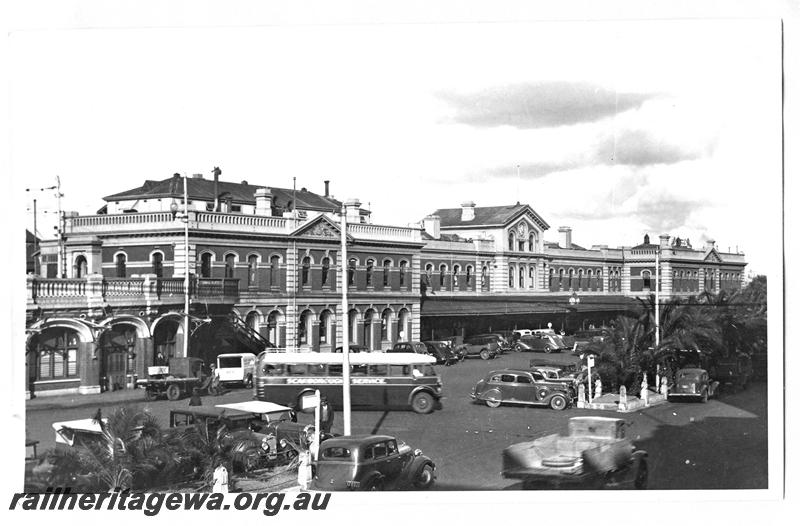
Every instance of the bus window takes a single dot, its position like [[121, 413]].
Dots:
[[427, 370], [317, 369], [359, 370], [378, 370], [400, 370], [273, 370], [335, 370], [296, 369]]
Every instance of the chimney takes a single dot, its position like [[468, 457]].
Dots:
[[352, 210], [263, 202], [664, 240], [468, 211], [327, 189], [709, 244], [565, 237], [432, 224], [217, 173]]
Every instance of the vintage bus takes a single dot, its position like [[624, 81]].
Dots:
[[377, 380]]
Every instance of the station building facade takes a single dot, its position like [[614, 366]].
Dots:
[[266, 270]]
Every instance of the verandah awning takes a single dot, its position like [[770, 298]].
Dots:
[[449, 306]]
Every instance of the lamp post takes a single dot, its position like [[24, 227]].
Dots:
[[657, 309], [184, 216], [345, 327]]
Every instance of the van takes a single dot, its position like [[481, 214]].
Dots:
[[236, 368]]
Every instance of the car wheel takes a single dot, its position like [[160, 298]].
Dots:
[[640, 482], [150, 395], [173, 392], [422, 403], [485, 354], [493, 403], [424, 478], [547, 349], [558, 403]]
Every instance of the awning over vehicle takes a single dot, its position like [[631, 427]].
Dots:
[[473, 306]]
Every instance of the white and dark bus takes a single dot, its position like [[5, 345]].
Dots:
[[377, 380]]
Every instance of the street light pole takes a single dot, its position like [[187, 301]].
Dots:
[[657, 310], [186, 330], [345, 328]]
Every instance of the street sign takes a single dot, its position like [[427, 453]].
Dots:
[[309, 401], [590, 360]]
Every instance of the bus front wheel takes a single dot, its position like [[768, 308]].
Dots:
[[422, 403]]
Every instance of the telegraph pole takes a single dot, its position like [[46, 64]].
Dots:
[[345, 327]]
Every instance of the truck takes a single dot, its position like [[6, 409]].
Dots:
[[732, 373], [176, 380], [595, 455]]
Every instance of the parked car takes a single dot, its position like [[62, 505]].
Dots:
[[522, 387], [503, 345], [595, 455], [371, 462], [733, 372], [541, 342], [442, 352], [236, 368], [410, 347], [485, 347], [354, 348], [273, 440], [692, 383]]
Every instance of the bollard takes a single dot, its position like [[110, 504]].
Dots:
[[598, 388], [581, 395]]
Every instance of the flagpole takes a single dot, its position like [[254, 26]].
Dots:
[[345, 327]]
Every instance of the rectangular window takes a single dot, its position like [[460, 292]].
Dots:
[[378, 370], [359, 370], [335, 370], [317, 369], [400, 370], [296, 369]]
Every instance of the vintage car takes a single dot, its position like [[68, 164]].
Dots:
[[273, 437], [409, 347], [541, 342], [694, 384], [354, 348], [485, 347], [442, 352], [595, 455], [503, 344], [522, 387], [371, 462], [81, 432], [176, 380], [236, 368], [733, 373]]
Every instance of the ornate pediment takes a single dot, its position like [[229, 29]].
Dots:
[[713, 256], [319, 228]]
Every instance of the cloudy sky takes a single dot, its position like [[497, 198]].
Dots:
[[618, 128]]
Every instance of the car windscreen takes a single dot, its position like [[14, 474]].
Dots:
[[230, 361], [426, 370], [688, 375]]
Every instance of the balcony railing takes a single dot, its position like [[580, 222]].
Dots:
[[95, 289]]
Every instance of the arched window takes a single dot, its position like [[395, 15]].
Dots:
[[429, 275], [80, 267], [325, 327], [531, 277], [369, 333], [230, 263], [305, 271], [646, 279], [442, 273], [531, 242], [521, 277], [551, 277], [274, 320], [511, 241], [581, 283], [570, 281], [304, 325], [511, 276], [326, 266], [403, 326], [386, 324], [158, 264], [370, 267], [599, 276], [403, 265], [274, 266], [57, 354], [205, 265], [252, 270], [351, 272], [561, 278], [468, 277], [121, 266], [352, 321], [456, 270], [483, 276], [387, 264]]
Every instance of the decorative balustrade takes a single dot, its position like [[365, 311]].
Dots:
[[95, 288], [241, 220], [53, 288], [366, 231]]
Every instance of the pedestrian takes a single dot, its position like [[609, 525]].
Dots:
[[220, 480], [326, 416], [195, 399]]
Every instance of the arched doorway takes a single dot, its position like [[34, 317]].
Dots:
[[403, 326], [81, 267], [117, 355], [166, 341], [274, 323], [370, 339]]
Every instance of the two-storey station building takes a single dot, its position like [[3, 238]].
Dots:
[[266, 269]]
